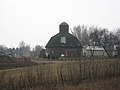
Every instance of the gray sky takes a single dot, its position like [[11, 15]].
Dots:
[[35, 21]]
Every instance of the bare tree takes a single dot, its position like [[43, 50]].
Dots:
[[81, 32], [3, 47], [22, 44], [24, 50], [95, 36], [37, 50]]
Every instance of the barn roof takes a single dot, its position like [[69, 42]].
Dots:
[[63, 23], [71, 41]]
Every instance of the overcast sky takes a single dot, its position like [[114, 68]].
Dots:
[[35, 21]]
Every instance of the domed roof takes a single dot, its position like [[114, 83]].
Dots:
[[71, 41], [63, 39], [63, 23]]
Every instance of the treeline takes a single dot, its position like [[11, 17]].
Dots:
[[23, 50], [96, 36]]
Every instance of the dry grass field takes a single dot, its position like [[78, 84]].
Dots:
[[12, 62], [87, 74]]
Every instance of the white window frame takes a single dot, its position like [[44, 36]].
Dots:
[[63, 40]]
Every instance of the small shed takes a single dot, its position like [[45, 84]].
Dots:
[[97, 51]]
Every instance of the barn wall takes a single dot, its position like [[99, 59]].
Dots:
[[68, 52]]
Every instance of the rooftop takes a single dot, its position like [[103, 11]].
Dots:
[[63, 23]]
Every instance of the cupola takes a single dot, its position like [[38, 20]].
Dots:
[[64, 27]]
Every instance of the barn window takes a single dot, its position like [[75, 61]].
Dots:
[[63, 40]]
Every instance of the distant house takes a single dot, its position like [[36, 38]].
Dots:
[[63, 44], [97, 51], [2, 53]]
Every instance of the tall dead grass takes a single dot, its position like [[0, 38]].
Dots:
[[80, 74]]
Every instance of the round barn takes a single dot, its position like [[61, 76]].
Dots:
[[63, 44]]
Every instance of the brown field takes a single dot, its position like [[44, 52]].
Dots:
[[87, 74], [12, 62]]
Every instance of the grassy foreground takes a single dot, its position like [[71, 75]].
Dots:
[[88, 74]]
